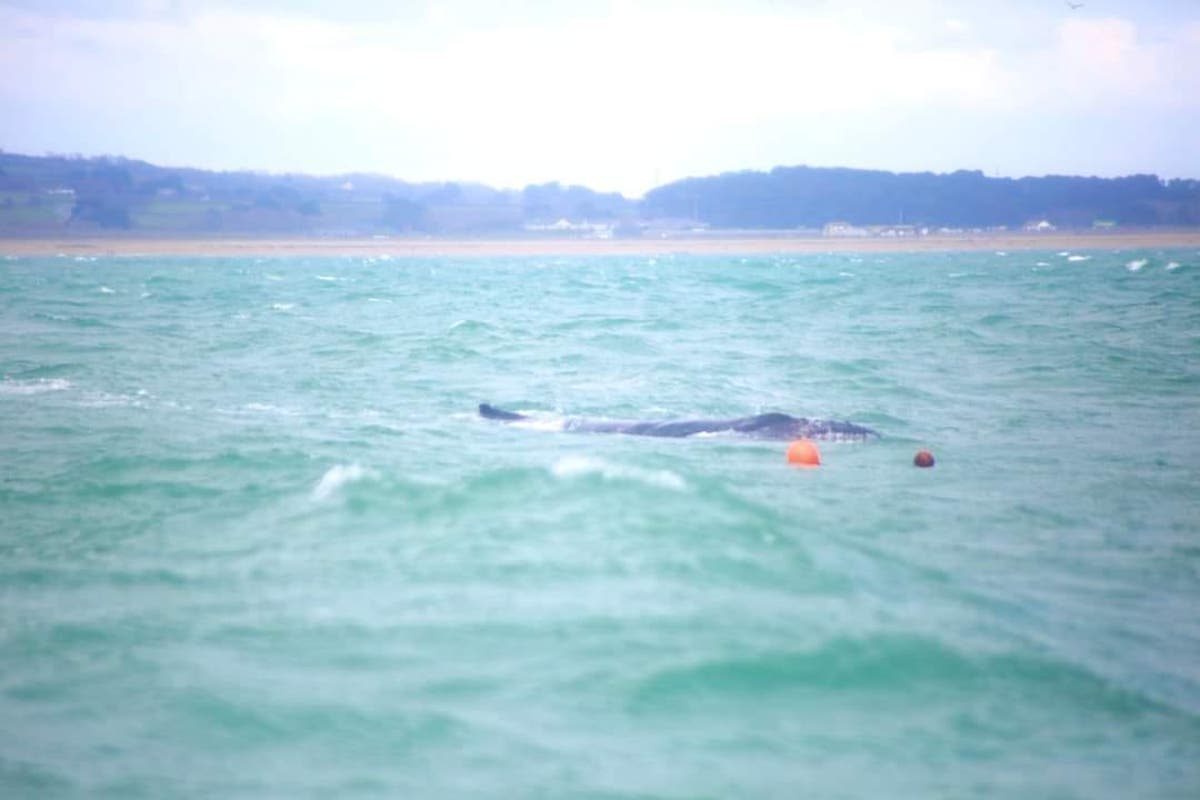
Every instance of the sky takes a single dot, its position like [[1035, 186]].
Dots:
[[618, 96]]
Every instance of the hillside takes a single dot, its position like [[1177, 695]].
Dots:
[[58, 195], [55, 195], [791, 197]]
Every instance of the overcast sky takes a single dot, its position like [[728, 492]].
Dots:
[[613, 95]]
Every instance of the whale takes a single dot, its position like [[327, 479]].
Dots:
[[774, 426]]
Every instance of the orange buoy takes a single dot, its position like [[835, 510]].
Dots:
[[803, 453], [923, 458]]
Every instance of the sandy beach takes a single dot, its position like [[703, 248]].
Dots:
[[715, 244]]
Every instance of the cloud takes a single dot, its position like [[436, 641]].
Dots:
[[644, 58], [1104, 64], [613, 95], [1100, 57]]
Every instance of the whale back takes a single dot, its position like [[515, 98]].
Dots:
[[773, 425]]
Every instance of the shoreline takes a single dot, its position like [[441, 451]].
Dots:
[[729, 244]]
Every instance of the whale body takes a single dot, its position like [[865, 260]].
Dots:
[[759, 426]]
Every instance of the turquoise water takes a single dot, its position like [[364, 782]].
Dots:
[[256, 542]]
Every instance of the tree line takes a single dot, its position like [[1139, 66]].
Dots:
[[55, 194], [792, 197]]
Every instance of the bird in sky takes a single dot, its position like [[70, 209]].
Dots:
[[1074, 6]]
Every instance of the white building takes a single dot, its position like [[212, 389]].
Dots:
[[843, 229]]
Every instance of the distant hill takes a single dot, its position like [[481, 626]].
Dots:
[[61, 195], [791, 197], [42, 195]]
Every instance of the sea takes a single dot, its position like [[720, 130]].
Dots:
[[256, 541]]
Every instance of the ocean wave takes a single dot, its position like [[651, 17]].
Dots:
[[1135, 265], [338, 476], [895, 664], [35, 386], [109, 400], [471, 326], [270, 409], [581, 466]]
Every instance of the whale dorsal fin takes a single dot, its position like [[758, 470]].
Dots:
[[491, 412]]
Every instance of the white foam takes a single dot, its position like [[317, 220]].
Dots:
[[267, 408], [536, 420], [1174, 265], [579, 466], [106, 290], [1043, 263], [550, 424], [1079, 258], [327, 277], [1134, 266], [106, 400], [283, 306], [338, 476], [36, 386]]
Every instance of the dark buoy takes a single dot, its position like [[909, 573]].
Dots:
[[923, 458]]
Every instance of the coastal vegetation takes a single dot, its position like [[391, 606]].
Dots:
[[790, 197], [62, 195]]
